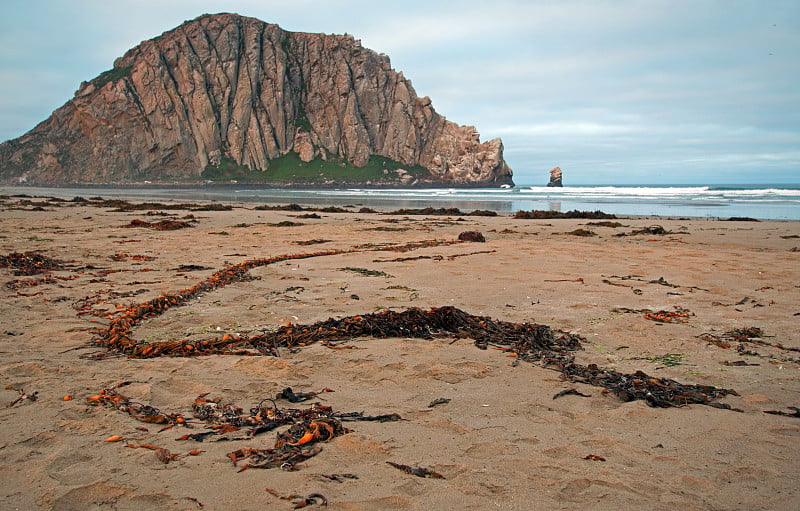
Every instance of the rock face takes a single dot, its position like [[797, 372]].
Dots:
[[555, 177], [229, 89]]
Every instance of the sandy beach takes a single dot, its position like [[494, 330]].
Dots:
[[498, 438]]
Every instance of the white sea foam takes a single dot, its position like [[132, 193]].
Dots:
[[768, 202]]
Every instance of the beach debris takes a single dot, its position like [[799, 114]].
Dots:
[[653, 230], [663, 282], [339, 478], [307, 427], [298, 397], [192, 267], [441, 212], [529, 342], [584, 233], [570, 392], [439, 401], [30, 263], [124, 256], [285, 457], [473, 236], [579, 280], [161, 225], [384, 228], [737, 363], [287, 207], [437, 257], [745, 336], [315, 241], [23, 396], [666, 360], [285, 295], [299, 501], [416, 471], [594, 457], [638, 278], [144, 413], [610, 283], [163, 454], [547, 214], [366, 272], [679, 315], [743, 301], [740, 219], [613, 225], [656, 392], [17, 284], [123, 206], [196, 501], [795, 413]]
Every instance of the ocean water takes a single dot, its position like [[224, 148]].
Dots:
[[775, 202]]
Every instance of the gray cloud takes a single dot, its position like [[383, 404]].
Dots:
[[612, 91]]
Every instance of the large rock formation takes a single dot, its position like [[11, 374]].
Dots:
[[226, 90]]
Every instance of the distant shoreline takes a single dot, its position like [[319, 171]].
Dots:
[[460, 207]]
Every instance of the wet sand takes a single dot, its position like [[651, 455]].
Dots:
[[501, 441]]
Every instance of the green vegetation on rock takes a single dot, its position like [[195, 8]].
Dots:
[[112, 75], [289, 168]]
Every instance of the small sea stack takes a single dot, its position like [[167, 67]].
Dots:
[[555, 177]]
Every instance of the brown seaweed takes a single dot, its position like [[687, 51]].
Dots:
[[795, 413], [473, 236], [529, 342], [30, 263], [161, 225], [300, 501], [416, 471], [568, 392], [546, 215], [741, 338]]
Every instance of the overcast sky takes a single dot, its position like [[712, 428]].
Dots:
[[613, 92]]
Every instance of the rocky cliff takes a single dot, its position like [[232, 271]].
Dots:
[[226, 96]]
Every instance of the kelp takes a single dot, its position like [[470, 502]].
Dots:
[[528, 342]]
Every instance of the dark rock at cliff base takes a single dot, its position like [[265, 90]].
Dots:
[[226, 97], [555, 177]]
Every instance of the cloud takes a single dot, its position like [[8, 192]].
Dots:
[[614, 90]]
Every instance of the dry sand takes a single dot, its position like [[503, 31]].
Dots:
[[502, 442]]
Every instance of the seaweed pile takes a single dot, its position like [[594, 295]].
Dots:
[[307, 426], [657, 392], [741, 340], [539, 214], [30, 263], [524, 341], [161, 225], [441, 212]]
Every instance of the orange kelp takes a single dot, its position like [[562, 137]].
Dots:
[[117, 336], [524, 341], [307, 426]]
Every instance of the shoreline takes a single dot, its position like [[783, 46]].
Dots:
[[381, 205], [505, 437]]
